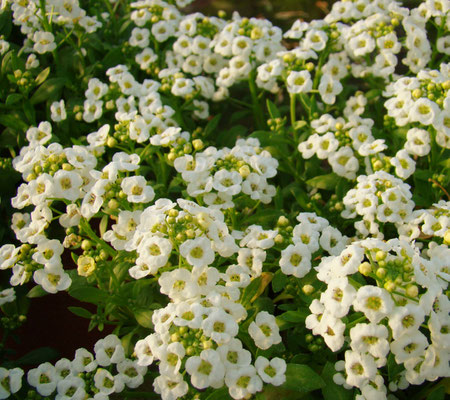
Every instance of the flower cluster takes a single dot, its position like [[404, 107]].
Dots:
[[378, 198], [401, 314], [87, 376], [219, 175], [205, 181]]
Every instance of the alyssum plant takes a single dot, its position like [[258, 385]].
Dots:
[[254, 214]]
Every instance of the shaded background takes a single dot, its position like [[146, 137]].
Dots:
[[281, 12]]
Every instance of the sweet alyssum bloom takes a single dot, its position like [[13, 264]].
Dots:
[[220, 326], [206, 369], [43, 378], [299, 82], [198, 252], [243, 381], [264, 330], [10, 381], [296, 260], [137, 190], [273, 371], [170, 387], [109, 350], [376, 303]]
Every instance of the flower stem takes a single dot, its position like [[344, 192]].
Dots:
[[258, 113]]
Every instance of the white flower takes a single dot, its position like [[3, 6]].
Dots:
[[264, 330], [273, 371], [43, 42], [131, 373], [329, 87], [40, 135], [84, 361], [404, 165], [243, 381], [237, 276], [206, 369], [49, 252], [190, 315], [109, 350], [71, 387], [58, 111], [145, 58], [233, 355], [296, 260], [170, 387], [370, 338], [220, 326], [67, 184], [170, 358], [7, 296], [228, 182], [418, 142], [162, 30], [360, 368], [178, 284], [139, 37], [361, 44], [137, 190], [338, 297], [424, 111], [299, 82], [143, 352], [106, 383], [32, 61], [376, 303], [93, 110], [52, 279], [11, 381], [43, 378], [408, 346], [198, 252]]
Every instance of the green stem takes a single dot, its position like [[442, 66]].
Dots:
[[356, 321], [305, 105], [258, 113], [92, 235], [292, 109]]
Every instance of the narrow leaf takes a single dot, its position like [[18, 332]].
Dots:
[[80, 311]]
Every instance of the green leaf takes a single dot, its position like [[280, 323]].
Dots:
[[42, 76], [103, 224], [13, 122], [89, 294], [372, 94], [331, 391], [438, 393], [273, 110], [13, 98], [263, 217], [299, 125], [327, 182], [144, 318], [37, 291], [5, 23], [81, 312], [423, 174], [48, 89], [30, 113], [279, 281], [301, 378], [219, 394], [250, 291], [38, 356], [294, 316], [211, 126]]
